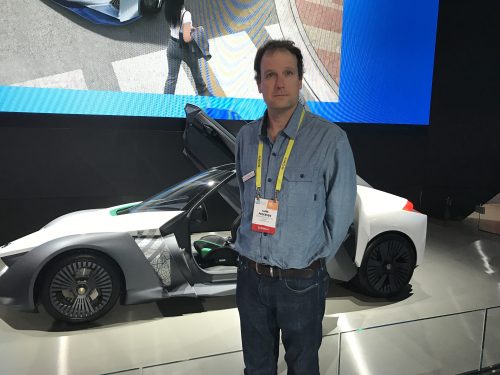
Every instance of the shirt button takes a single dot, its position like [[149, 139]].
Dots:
[[302, 175], [274, 153], [269, 179], [265, 234], [265, 258]]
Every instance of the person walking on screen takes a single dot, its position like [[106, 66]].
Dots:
[[297, 183], [180, 21]]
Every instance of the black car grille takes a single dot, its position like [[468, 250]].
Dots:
[[116, 3]]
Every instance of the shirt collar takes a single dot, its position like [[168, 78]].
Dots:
[[290, 129]]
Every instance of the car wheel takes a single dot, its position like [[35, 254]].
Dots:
[[151, 6], [80, 287], [387, 266]]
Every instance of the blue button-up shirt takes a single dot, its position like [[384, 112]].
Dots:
[[316, 201]]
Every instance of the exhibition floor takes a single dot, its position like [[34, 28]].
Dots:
[[439, 327]]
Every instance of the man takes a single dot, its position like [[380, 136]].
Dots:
[[298, 186]]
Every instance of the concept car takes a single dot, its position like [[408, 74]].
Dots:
[[111, 12], [80, 264]]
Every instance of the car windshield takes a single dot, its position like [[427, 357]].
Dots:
[[178, 197]]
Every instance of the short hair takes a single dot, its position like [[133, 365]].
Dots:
[[273, 45]]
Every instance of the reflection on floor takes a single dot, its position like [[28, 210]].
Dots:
[[460, 274]]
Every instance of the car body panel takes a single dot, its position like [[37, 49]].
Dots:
[[141, 282], [379, 212], [102, 12], [90, 221]]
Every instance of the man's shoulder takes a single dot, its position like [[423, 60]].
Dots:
[[249, 129], [326, 127]]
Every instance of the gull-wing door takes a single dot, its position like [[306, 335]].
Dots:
[[208, 144]]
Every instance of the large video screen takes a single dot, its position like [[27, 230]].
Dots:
[[365, 61]]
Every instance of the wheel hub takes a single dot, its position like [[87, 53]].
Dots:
[[80, 290]]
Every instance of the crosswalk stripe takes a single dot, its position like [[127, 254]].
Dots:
[[148, 73], [73, 80], [232, 63]]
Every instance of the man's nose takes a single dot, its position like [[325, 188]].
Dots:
[[280, 80]]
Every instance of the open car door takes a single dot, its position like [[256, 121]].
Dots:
[[208, 144]]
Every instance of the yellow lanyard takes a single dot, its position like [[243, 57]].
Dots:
[[258, 168]]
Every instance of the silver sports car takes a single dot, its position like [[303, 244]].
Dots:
[[111, 12], [80, 264]]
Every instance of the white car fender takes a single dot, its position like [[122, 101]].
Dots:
[[378, 212]]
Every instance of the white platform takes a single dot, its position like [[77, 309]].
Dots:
[[437, 329]]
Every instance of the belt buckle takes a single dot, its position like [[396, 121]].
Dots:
[[271, 271]]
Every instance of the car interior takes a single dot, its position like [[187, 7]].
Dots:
[[214, 251]]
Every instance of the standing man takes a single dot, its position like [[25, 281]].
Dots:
[[298, 186]]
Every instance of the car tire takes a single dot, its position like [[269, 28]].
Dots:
[[151, 6], [80, 287], [387, 266]]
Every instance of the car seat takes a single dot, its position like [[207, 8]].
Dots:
[[215, 250]]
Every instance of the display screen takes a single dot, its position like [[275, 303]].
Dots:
[[365, 61]]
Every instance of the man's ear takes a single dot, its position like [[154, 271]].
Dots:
[[300, 84], [258, 86]]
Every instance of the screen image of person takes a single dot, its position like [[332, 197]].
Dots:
[[180, 21]]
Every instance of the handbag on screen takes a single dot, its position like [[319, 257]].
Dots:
[[199, 45]]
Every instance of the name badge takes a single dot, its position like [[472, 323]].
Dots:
[[265, 213], [248, 176]]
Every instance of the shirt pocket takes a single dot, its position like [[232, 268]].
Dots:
[[300, 204], [299, 187]]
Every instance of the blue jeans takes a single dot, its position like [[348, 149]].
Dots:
[[294, 306], [176, 53]]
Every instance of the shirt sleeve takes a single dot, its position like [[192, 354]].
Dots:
[[187, 18], [341, 193]]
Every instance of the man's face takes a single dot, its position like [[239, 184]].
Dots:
[[279, 80]]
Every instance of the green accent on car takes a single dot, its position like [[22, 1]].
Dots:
[[115, 210], [205, 251]]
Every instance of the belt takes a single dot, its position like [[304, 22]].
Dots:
[[270, 271], [174, 39]]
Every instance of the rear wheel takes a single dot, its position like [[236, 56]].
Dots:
[[151, 6], [80, 287], [387, 266]]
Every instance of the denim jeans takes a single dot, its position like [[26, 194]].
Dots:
[[175, 55], [294, 306]]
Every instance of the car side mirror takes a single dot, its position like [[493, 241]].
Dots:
[[199, 214]]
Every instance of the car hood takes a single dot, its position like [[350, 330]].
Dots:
[[91, 221]]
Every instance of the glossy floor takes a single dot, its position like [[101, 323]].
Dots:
[[435, 328]]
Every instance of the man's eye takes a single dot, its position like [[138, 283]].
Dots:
[[269, 75], [289, 73]]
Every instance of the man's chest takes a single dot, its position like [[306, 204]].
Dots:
[[297, 174]]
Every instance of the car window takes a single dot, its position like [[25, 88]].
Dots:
[[178, 197]]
